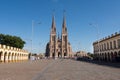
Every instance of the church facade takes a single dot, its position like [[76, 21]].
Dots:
[[58, 46]]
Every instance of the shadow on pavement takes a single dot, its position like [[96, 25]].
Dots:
[[103, 63]]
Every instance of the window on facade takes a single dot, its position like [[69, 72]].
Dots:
[[114, 44], [107, 45], [101, 47], [64, 38], [53, 38], [118, 41], [94, 48], [104, 46], [110, 45], [54, 29], [97, 48]]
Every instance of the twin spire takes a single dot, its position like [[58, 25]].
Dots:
[[53, 30], [64, 29]]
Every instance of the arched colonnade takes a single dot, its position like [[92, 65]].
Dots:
[[9, 54]]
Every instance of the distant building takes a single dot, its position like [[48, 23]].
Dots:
[[108, 49], [81, 54], [58, 47]]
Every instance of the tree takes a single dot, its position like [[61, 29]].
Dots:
[[13, 41], [90, 54]]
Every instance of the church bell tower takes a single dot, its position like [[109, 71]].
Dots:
[[53, 38], [64, 38]]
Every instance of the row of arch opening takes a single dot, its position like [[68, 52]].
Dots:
[[110, 56], [8, 56]]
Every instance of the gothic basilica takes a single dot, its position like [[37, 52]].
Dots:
[[58, 47]]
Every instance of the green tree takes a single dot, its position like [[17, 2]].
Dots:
[[13, 41], [90, 54]]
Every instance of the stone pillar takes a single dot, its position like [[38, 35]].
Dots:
[[6, 57], [56, 55], [14, 57], [20, 56], [2, 57], [10, 57]]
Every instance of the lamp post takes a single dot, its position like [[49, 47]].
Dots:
[[98, 34], [32, 36], [32, 33]]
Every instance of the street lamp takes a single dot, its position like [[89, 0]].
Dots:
[[98, 34], [32, 36], [32, 31]]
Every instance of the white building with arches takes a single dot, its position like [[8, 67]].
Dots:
[[108, 48], [9, 54]]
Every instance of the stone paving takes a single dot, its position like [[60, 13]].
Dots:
[[22, 70], [76, 70], [61, 69]]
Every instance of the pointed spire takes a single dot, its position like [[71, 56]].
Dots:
[[64, 29], [53, 29], [64, 20], [53, 22]]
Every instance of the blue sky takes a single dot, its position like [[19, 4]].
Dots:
[[16, 19]]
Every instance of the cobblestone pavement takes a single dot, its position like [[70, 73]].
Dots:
[[22, 70], [76, 70], [61, 69]]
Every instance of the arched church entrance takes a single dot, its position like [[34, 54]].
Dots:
[[53, 55], [65, 54], [59, 54]]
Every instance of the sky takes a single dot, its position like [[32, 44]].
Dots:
[[16, 18]]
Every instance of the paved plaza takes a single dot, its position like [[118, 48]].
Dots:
[[60, 69]]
